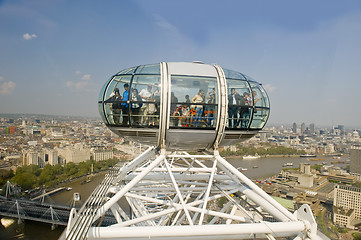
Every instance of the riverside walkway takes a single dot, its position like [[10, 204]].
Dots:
[[84, 217]]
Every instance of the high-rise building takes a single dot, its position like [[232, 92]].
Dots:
[[355, 157], [312, 128], [303, 128], [341, 128], [305, 168], [294, 128]]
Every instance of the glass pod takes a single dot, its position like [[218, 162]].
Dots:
[[183, 105]]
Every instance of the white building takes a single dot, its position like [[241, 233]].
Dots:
[[99, 155], [51, 156], [343, 217], [77, 153], [30, 157], [347, 197]]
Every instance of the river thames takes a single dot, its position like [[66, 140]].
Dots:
[[260, 168]]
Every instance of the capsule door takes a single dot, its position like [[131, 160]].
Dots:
[[193, 106]]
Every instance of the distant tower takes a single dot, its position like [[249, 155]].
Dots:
[[303, 128], [312, 128], [355, 156], [341, 128], [305, 168], [294, 128]]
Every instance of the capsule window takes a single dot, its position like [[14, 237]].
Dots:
[[194, 102]]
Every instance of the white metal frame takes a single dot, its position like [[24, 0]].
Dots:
[[176, 196]]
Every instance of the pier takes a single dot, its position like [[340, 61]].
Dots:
[[48, 193]]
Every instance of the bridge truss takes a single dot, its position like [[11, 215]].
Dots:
[[177, 195], [34, 211]]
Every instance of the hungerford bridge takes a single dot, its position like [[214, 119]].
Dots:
[[180, 187], [40, 209]]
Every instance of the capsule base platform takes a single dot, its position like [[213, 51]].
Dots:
[[178, 195]]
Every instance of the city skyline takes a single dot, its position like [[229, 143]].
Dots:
[[56, 56]]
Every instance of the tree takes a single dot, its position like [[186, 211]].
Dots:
[[84, 168], [47, 174], [25, 180]]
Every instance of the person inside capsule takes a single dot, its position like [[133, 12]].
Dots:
[[116, 106], [197, 108]]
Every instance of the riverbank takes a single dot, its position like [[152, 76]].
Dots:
[[290, 155], [83, 186], [263, 156]]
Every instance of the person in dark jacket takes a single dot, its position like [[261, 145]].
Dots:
[[136, 105], [116, 105], [244, 110], [233, 106]]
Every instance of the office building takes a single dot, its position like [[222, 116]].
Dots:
[[341, 128], [303, 128], [312, 128], [348, 197], [294, 128], [100, 155], [51, 157], [355, 157], [30, 157], [343, 217], [77, 153]]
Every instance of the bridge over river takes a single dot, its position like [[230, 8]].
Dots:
[[35, 211], [38, 210]]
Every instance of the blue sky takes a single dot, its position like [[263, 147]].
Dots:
[[56, 55]]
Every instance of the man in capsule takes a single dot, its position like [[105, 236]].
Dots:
[[125, 105], [233, 106]]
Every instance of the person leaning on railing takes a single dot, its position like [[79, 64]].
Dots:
[[116, 106]]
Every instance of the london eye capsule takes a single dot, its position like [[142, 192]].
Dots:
[[183, 105]]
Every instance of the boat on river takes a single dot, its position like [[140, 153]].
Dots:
[[76, 196], [289, 164], [251, 157], [241, 169], [308, 155]]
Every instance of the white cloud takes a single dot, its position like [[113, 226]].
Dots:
[[76, 86], [6, 87], [86, 77], [83, 84], [174, 38], [269, 88], [28, 36], [163, 23], [1, 78]]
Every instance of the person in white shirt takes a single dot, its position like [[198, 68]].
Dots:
[[198, 108], [148, 108]]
